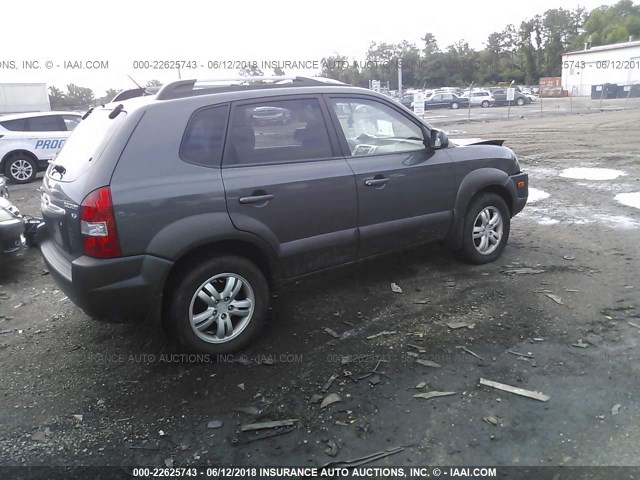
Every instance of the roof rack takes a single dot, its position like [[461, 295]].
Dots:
[[189, 88]]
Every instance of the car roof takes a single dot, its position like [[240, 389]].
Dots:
[[18, 116]]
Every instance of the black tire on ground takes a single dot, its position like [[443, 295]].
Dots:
[[188, 284], [520, 101], [455, 105], [20, 168], [469, 251], [485, 103]]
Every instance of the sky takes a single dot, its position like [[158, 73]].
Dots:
[[123, 35]]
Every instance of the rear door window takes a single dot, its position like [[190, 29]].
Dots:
[[278, 131], [71, 121], [48, 123], [204, 137]]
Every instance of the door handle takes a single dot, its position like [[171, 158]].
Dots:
[[375, 182], [256, 199]]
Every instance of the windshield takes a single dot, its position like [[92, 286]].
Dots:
[[84, 145]]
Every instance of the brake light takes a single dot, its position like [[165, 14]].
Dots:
[[98, 225]]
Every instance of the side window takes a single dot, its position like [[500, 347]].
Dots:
[[277, 131], [49, 123], [204, 137], [18, 125], [448, 96], [71, 121], [372, 128], [437, 98]]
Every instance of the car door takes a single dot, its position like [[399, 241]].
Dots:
[[500, 96], [405, 190], [287, 182], [433, 102]]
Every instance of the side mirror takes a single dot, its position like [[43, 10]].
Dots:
[[439, 139]]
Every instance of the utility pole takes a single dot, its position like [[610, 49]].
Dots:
[[399, 78], [469, 112]]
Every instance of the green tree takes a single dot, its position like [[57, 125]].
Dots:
[[56, 98], [78, 98], [154, 83]]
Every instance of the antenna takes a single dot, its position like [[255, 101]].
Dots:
[[137, 84]]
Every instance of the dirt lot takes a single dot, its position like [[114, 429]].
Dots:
[[565, 296]]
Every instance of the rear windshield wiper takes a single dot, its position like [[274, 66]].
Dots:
[[116, 111], [60, 169]]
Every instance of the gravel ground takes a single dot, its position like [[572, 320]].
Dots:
[[559, 313]]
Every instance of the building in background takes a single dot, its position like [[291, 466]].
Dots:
[[24, 97], [586, 70]]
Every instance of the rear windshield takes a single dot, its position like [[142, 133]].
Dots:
[[84, 146]]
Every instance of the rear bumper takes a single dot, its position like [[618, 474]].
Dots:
[[127, 288], [522, 192], [11, 235]]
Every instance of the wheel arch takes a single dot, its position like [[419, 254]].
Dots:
[[476, 183], [22, 151]]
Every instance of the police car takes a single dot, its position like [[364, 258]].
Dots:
[[29, 140]]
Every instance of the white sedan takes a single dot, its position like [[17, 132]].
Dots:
[[29, 140]]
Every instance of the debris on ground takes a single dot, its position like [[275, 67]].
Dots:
[[332, 448], [420, 386], [428, 363], [456, 325], [331, 332], [491, 420], [418, 348], [168, 462], [433, 394], [38, 436], [518, 354], [265, 435], [615, 409], [375, 380], [214, 424], [580, 344], [633, 324], [330, 399], [518, 391], [241, 386], [78, 417], [264, 425], [472, 353], [395, 288], [356, 462], [522, 271], [315, 398], [247, 410], [568, 257], [385, 332], [329, 382], [555, 298]]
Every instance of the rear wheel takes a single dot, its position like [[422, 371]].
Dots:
[[485, 103], [486, 229], [455, 105], [20, 168], [520, 101], [218, 306]]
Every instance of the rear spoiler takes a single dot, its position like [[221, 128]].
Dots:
[[135, 92]]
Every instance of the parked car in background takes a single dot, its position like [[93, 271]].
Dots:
[[445, 100], [480, 98], [29, 140], [178, 208], [500, 96], [11, 224], [407, 100]]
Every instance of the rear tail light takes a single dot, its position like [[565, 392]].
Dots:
[[98, 225]]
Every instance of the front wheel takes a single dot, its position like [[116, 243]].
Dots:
[[455, 105], [21, 169], [486, 229], [520, 101], [218, 306]]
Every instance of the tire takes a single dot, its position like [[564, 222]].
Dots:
[[191, 295], [520, 101], [472, 248], [20, 169], [485, 103], [455, 105]]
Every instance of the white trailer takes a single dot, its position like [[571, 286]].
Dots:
[[24, 97]]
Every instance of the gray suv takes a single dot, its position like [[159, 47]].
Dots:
[[187, 206]]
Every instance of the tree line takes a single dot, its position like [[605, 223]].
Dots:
[[524, 53]]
